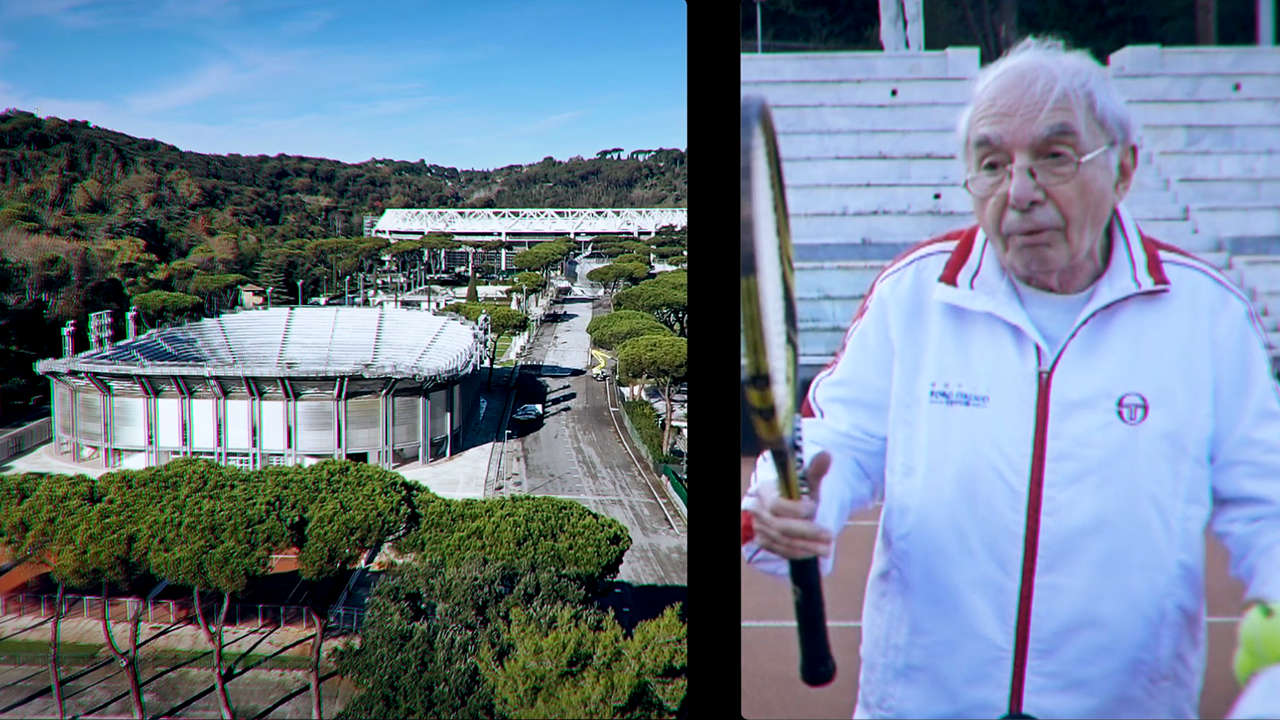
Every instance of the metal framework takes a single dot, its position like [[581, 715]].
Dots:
[[295, 342], [272, 387], [501, 222]]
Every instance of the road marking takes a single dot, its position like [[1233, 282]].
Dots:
[[595, 497]]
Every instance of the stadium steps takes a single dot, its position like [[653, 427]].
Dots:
[[869, 159], [1211, 125]]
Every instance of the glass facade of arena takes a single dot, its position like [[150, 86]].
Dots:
[[144, 420]]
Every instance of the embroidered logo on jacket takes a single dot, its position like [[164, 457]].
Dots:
[[952, 397], [1132, 408]]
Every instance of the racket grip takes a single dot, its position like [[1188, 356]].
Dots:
[[817, 666]]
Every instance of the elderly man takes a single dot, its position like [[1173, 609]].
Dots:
[[1051, 406]]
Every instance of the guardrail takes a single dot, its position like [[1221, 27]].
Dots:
[[16, 442], [677, 494], [89, 607]]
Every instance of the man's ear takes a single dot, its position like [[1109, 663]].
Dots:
[[1128, 166]]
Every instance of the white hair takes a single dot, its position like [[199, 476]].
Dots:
[[1061, 72]]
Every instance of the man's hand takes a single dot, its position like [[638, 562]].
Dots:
[[786, 527]]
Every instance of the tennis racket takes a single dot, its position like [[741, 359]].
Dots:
[[769, 329]]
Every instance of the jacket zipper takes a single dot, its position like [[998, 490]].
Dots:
[[1031, 539]]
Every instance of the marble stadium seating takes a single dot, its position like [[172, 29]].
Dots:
[[870, 163]]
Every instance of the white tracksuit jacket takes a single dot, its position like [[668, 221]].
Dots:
[[1043, 517]]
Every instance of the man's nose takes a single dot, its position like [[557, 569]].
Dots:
[[1024, 191]]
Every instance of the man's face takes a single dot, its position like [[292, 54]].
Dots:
[[1048, 237]]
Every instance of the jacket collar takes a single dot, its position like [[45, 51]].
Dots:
[[974, 278]]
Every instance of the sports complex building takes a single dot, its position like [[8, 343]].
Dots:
[[284, 386], [522, 228]]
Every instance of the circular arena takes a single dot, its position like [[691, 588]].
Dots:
[[285, 386]]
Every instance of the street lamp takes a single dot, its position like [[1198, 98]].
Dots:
[[299, 292]]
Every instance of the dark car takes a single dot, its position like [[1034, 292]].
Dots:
[[527, 413]]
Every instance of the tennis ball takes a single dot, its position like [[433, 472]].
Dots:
[[1244, 664], [1258, 641]]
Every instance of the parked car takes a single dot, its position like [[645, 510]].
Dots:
[[526, 413]]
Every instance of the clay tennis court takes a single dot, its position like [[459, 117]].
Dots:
[[771, 686]]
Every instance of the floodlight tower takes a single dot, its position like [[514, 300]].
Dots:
[[100, 330]]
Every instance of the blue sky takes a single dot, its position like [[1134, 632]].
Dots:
[[471, 85]]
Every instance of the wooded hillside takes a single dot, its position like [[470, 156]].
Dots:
[[91, 218]]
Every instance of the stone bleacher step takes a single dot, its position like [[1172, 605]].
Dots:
[[1220, 259], [1155, 205], [1273, 341], [1259, 278], [1213, 191], [867, 144], [860, 92], [836, 280], [1218, 164], [1208, 86], [1208, 112], [953, 62], [1247, 249], [819, 252], [1260, 219], [1159, 135], [863, 199], [1148, 59], [1268, 308], [876, 228], [1181, 233], [873, 171], [920, 116], [828, 314]]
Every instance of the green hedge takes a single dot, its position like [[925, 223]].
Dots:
[[645, 420]]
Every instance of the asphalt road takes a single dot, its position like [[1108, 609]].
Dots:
[[575, 452]]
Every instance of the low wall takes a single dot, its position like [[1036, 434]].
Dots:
[[677, 495], [16, 442]]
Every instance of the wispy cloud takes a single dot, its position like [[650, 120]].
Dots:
[[246, 75], [272, 76], [77, 14], [547, 123], [198, 9], [308, 22], [42, 8], [208, 82]]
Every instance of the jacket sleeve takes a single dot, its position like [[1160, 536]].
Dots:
[[1245, 457], [845, 413]]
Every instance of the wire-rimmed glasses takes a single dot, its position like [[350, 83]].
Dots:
[[1057, 168]]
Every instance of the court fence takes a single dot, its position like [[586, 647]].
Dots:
[[172, 612]]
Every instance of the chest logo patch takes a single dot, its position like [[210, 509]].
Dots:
[[1131, 408], [956, 396]]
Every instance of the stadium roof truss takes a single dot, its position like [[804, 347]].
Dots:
[[295, 342], [535, 221]]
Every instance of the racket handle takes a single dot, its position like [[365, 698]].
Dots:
[[817, 666]]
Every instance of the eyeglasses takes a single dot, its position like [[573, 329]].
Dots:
[[1058, 168]]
